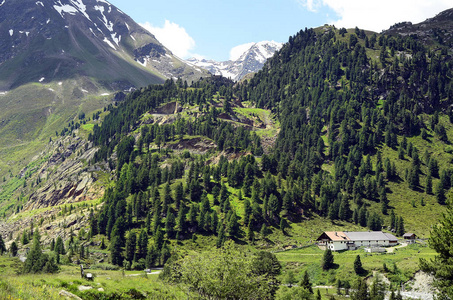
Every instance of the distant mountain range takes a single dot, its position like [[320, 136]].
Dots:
[[252, 60], [47, 40]]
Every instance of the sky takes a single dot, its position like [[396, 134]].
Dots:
[[223, 29]]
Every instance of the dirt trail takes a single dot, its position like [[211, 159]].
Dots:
[[391, 249]]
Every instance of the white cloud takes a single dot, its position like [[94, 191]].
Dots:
[[379, 15], [174, 37], [237, 51], [311, 5]]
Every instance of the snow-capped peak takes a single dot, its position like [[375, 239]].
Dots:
[[261, 51], [250, 61]]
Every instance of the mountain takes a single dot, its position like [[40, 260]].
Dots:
[[433, 31], [50, 40], [341, 130], [59, 58], [251, 61]]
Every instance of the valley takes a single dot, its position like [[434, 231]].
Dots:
[[220, 188]]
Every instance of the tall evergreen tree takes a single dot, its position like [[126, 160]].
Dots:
[[358, 268], [131, 246], [2, 245], [440, 193], [305, 282], [327, 260], [13, 249]]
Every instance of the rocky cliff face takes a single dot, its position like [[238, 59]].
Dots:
[[62, 179]]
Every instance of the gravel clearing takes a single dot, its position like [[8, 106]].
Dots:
[[421, 287]]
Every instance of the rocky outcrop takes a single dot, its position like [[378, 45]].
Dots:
[[67, 176], [64, 178]]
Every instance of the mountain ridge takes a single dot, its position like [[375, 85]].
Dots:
[[250, 61], [71, 37]]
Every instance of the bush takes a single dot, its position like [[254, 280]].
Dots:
[[139, 265]]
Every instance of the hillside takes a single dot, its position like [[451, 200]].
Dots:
[[341, 130], [62, 58]]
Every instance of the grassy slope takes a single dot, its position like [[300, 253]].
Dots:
[[309, 259], [47, 286], [24, 132]]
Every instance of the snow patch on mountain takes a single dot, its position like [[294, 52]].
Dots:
[[116, 39], [39, 3], [3, 2], [252, 60], [81, 7], [104, 20], [65, 9], [106, 40]]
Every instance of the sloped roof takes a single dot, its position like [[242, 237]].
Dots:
[[335, 235], [369, 236]]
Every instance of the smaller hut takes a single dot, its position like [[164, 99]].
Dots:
[[409, 237]]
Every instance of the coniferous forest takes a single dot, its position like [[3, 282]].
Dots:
[[336, 105], [356, 133]]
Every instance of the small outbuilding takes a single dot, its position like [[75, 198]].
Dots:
[[409, 237]]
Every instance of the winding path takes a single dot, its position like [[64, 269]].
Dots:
[[391, 249]]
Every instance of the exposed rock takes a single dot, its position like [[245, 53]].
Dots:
[[196, 145], [69, 295], [62, 179]]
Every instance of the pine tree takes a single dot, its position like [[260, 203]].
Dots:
[[158, 238], [2, 245], [36, 261], [393, 221], [220, 236], [179, 195], [440, 193], [232, 226], [142, 244], [59, 246], [24, 241], [361, 292], [327, 260], [345, 210], [116, 255], [400, 227], [131, 245], [52, 245], [305, 282], [358, 269], [289, 278], [170, 223], [13, 249]]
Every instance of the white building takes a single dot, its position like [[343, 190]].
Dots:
[[350, 240]]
